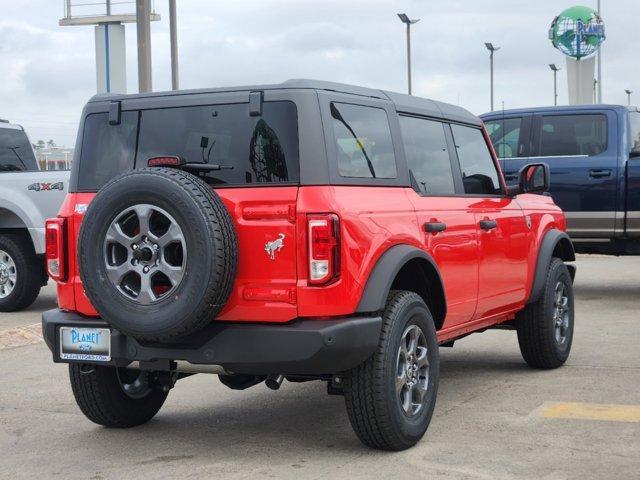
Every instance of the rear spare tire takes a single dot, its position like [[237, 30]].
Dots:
[[158, 253]]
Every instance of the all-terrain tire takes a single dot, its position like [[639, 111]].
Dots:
[[540, 343], [99, 394], [374, 408], [209, 266], [28, 270]]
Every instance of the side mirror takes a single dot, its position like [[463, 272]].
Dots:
[[534, 177]]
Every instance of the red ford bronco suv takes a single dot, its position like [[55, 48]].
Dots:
[[301, 231]]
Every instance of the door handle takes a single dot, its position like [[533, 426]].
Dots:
[[511, 176], [599, 173], [435, 227], [488, 224]]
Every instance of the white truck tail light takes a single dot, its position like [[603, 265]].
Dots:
[[55, 254], [324, 248]]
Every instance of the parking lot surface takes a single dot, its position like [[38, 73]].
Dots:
[[495, 417]]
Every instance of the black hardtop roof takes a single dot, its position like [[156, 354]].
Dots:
[[404, 103]]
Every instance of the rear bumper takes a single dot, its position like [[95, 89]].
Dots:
[[305, 346]]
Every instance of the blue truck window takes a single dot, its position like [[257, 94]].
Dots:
[[573, 135], [505, 135], [634, 118]]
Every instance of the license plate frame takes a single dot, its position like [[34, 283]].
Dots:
[[89, 344]]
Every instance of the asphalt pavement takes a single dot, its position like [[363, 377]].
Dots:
[[495, 417]]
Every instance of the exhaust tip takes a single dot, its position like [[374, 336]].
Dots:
[[274, 381]]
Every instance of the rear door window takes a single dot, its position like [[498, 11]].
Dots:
[[505, 134], [107, 150], [16, 152], [572, 135], [249, 149], [363, 141], [479, 173], [425, 148]]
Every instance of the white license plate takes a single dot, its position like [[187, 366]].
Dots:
[[89, 344]]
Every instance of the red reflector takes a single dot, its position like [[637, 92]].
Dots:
[[165, 162], [55, 243]]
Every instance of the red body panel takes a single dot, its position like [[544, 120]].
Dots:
[[487, 274]]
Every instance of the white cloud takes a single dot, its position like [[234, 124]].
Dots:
[[49, 71]]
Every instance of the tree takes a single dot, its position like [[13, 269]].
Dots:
[[51, 143], [40, 144]]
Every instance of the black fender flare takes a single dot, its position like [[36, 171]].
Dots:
[[384, 273], [550, 241]]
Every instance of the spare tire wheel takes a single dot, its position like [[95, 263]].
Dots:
[[157, 253]]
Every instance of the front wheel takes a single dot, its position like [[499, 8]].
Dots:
[[115, 397], [545, 327], [390, 398], [20, 274]]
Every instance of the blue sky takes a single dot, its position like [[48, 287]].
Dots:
[[49, 71]]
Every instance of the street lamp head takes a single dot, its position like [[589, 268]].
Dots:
[[628, 92], [490, 47], [405, 19], [554, 67]]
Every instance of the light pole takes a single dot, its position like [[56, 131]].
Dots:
[[143, 12], [491, 49], [599, 63], [406, 20], [628, 92], [173, 35], [555, 69]]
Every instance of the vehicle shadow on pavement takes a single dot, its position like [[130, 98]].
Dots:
[[207, 420], [299, 415]]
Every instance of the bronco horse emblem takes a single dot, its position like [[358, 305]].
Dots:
[[274, 246]]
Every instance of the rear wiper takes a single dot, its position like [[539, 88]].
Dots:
[[206, 167]]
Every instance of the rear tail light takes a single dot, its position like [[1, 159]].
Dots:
[[324, 248], [55, 238]]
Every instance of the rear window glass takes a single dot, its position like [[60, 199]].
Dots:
[[107, 150], [363, 141], [505, 136], [249, 149], [567, 135], [16, 153]]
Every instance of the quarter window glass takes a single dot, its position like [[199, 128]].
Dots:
[[634, 117], [505, 136], [479, 173], [107, 150], [363, 141], [566, 135], [16, 153], [425, 147]]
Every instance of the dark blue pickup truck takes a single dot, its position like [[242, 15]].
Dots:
[[593, 152]]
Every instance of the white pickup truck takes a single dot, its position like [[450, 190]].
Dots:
[[28, 197]]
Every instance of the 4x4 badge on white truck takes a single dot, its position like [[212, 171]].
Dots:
[[274, 246], [46, 187]]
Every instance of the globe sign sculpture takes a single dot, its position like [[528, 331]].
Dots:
[[577, 32]]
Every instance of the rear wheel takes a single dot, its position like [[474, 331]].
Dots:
[[20, 274], [545, 327], [115, 397], [390, 398]]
